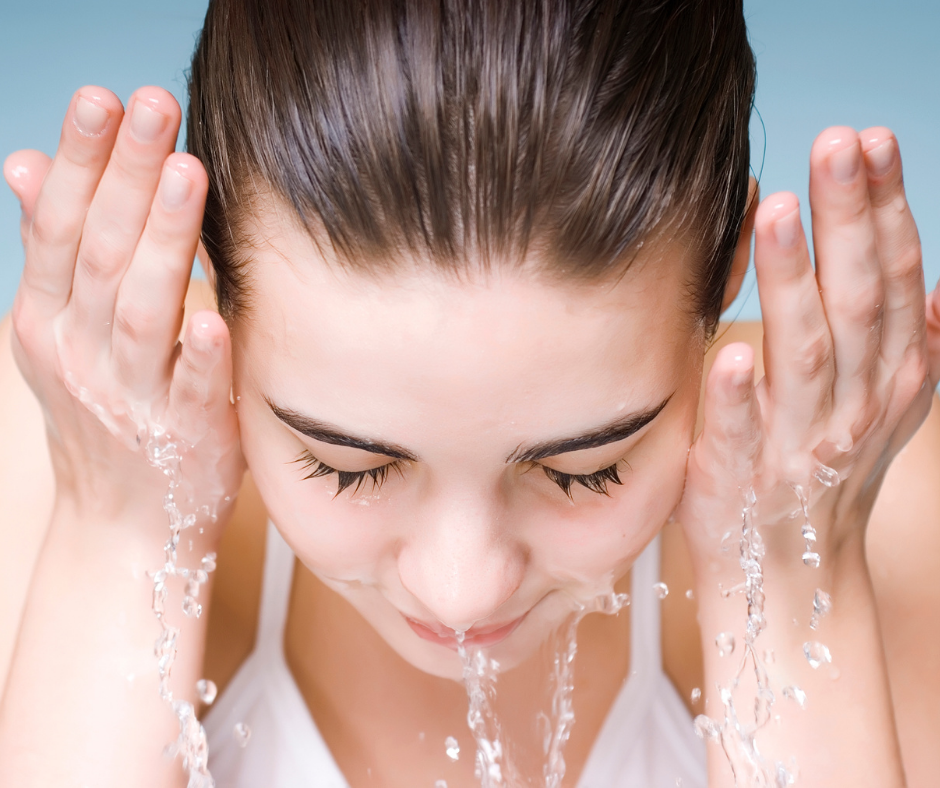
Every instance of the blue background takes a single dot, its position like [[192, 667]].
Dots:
[[820, 63]]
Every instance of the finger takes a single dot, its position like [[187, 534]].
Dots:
[[149, 307], [898, 245], [118, 212], [731, 436], [849, 275], [798, 359], [59, 210], [200, 392], [24, 171]]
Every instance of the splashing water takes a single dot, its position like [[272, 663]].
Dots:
[[737, 737], [725, 644], [493, 766], [206, 690], [661, 590], [241, 733], [452, 748], [822, 606], [794, 693], [696, 695], [166, 455], [816, 654]]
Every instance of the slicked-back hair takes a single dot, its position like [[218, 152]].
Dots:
[[477, 132]]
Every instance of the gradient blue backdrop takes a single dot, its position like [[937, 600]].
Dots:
[[820, 63]]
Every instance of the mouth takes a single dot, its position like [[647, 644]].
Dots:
[[479, 637]]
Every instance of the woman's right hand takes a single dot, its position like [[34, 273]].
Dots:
[[110, 228]]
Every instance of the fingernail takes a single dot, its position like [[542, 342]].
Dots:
[[881, 158], [146, 124], [89, 119], [174, 189], [843, 164], [787, 229]]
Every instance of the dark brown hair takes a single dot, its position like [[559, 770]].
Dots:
[[484, 130]]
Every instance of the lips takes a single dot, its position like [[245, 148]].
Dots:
[[480, 637]]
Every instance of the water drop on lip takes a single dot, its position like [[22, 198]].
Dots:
[[661, 590], [816, 654], [725, 643], [452, 748], [696, 695], [794, 693], [206, 690], [241, 733]]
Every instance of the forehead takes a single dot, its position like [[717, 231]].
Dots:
[[507, 346]]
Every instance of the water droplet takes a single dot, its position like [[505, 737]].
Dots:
[[208, 562], [696, 695], [440, 784], [678, 782], [206, 690], [191, 608], [661, 590], [452, 748], [420, 735], [826, 475], [706, 728], [816, 654], [796, 694], [811, 558], [241, 734], [725, 544], [725, 643], [689, 594], [822, 603], [809, 533]]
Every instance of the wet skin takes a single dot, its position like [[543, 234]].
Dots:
[[457, 380]]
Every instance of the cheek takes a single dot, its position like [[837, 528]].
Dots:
[[600, 537], [339, 539]]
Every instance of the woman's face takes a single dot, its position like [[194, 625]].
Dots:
[[456, 412]]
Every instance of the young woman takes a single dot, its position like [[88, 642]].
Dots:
[[469, 259]]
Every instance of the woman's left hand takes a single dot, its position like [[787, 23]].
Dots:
[[852, 357]]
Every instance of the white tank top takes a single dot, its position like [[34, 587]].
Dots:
[[647, 740]]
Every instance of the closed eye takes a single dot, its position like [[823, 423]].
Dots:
[[595, 482], [316, 469]]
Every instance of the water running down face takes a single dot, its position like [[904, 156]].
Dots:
[[468, 422]]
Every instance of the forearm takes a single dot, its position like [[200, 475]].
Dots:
[[846, 734], [82, 705]]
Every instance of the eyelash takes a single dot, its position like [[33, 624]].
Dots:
[[346, 479], [595, 482]]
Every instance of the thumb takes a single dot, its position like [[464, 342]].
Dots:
[[730, 443], [24, 171]]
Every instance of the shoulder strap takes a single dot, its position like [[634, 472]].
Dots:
[[275, 590], [645, 627]]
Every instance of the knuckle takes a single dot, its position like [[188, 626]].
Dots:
[[101, 255], [53, 228], [814, 356], [133, 320], [907, 271]]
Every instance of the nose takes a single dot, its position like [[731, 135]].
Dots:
[[460, 564]]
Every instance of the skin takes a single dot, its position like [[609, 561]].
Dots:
[[457, 376]]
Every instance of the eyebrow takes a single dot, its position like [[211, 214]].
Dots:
[[327, 433], [617, 430]]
